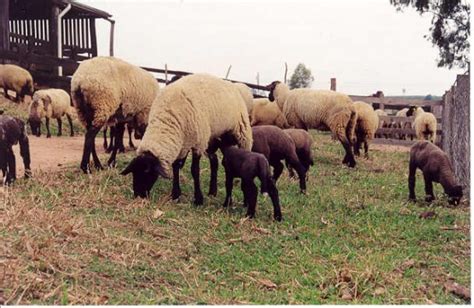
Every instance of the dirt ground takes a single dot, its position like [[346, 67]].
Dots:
[[52, 154]]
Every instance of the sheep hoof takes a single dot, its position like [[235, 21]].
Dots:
[[412, 199], [429, 198], [303, 191], [199, 201], [48, 136], [278, 218]]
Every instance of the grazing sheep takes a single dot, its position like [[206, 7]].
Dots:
[[246, 95], [366, 126], [436, 167], [13, 131], [405, 112], [265, 112], [50, 104], [190, 114], [303, 142], [276, 145], [319, 109], [106, 87], [240, 163], [15, 78], [425, 124]]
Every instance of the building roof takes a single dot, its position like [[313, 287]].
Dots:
[[41, 9]]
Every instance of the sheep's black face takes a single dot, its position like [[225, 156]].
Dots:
[[455, 195], [139, 131], [145, 170], [271, 87], [35, 126], [411, 111]]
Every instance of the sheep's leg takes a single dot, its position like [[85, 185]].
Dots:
[[130, 142], [244, 189], [273, 192], [349, 157], [214, 162], [25, 154], [60, 127], [428, 188], [277, 169], [105, 138], [291, 173], [251, 192], [177, 165], [411, 181], [198, 198], [112, 140], [89, 148], [357, 147], [69, 119], [11, 169], [48, 135], [229, 183], [119, 130], [366, 149], [300, 170]]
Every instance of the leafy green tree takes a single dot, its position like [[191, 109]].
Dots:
[[428, 97], [450, 28], [301, 77]]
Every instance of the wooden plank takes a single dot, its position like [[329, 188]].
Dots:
[[93, 37], [396, 102], [53, 30], [4, 26]]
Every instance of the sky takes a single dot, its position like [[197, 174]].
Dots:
[[366, 44]]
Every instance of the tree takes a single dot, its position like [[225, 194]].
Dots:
[[428, 97], [301, 77], [450, 28]]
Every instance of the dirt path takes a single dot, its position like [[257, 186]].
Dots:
[[51, 154]]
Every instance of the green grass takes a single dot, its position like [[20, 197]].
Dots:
[[71, 238]]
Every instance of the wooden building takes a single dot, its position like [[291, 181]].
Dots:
[[49, 37]]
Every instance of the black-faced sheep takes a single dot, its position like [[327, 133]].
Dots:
[[303, 143], [319, 109], [265, 112], [50, 104], [366, 126], [189, 115], [15, 78], [105, 87], [425, 124], [13, 131], [436, 167], [276, 146], [240, 163]]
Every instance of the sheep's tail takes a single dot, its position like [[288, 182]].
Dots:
[[84, 110], [264, 175], [350, 128]]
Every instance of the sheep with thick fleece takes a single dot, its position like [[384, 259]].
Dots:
[[15, 78], [425, 124], [190, 114], [50, 104], [382, 123], [366, 126], [265, 112], [107, 87], [247, 95], [319, 109]]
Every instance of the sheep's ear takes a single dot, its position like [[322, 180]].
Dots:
[[130, 167], [47, 101]]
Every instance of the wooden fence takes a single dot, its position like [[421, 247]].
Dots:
[[456, 126]]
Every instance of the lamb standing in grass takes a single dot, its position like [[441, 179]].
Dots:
[[366, 126], [13, 131], [15, 78], [425, 124], [240, 163], [106, 87], [436, 167], [50, 104], [265, 112], [303, 143], [276, 146], [318, 109], [190, 114]]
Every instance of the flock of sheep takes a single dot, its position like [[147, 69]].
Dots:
[[200, 114]]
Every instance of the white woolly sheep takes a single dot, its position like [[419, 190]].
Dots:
[[247, 95], [382, 123], [319, 109], [366, 126], [50, 104], [190, 114], [425, 125], [15, 78], [107, 87], [265, 112], [405, 112]]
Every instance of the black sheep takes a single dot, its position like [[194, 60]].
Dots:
[[239, 163], [436, 167], [276, 145], [13, 131]]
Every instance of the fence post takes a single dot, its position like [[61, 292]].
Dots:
[[333, 84]]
